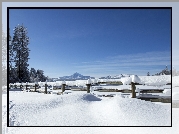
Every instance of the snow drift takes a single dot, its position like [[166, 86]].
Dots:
[[82, 109]]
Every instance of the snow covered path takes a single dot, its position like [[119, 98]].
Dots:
[[82, 109]]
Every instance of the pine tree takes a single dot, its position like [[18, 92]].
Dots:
[[13, 75], [40, 76], [49, 79], [148, 74], [33, 75], [20, 53]]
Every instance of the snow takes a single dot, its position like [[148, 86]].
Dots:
[[90, 97], [128, 87], [126, 80], [101, 114], [156, 80], [77, 108], [135, 79], [63, 82], [88, 81], [167, 91], [147, 80], [82, 109]]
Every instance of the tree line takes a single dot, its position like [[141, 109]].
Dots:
[[19, 56]]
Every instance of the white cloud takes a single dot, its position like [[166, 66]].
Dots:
[[139, 63]]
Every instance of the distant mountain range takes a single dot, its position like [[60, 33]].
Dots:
[[76, 76], [115, 77]]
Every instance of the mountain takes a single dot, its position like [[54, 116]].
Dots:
[[116, 76], [76, 76]]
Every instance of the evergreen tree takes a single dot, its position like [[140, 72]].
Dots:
[[13, 75], [33, 75], [49, 79], [20, 53], [148, 74], [40, 76]]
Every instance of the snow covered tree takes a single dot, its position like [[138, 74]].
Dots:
[[20, 53], [33, 75], [49, 79], [13, 78], [148, 74], [40, 76], [36, 76]]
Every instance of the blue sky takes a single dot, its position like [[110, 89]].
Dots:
[[96, 42]]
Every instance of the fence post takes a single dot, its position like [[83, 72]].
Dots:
[[63, 86], [133, 87], [21, 86], [15, 86], [35, 87], [26, 86], [88, 84], [88, 88], [46, 87]]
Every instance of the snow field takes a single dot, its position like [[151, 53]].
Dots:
[[110, 110], [82, 109]]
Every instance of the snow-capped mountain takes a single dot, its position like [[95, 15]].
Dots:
[[76, 76], [115, 77]]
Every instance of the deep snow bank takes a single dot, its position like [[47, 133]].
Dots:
[[82, 109]]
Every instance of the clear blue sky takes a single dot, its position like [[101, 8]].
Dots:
[[96, 42]]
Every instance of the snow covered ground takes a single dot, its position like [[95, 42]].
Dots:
[[82, 109]]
